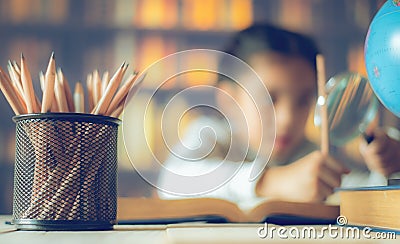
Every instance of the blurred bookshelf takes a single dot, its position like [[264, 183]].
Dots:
[[88, 34], [101, 34]]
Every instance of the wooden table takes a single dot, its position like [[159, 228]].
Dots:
[[176, 233]]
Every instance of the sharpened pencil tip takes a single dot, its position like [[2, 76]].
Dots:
[[22, 56], [53, 56]]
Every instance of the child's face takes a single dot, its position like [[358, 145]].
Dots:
[[291, 83]]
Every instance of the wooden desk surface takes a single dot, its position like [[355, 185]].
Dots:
[[176, 233]]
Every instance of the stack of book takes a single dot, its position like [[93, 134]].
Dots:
[[375, 207]]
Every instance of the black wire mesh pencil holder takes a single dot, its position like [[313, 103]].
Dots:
[[65, 172]]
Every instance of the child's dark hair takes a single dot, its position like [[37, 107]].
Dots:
[[265, 37]]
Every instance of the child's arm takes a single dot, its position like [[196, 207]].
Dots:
[[310, 179]]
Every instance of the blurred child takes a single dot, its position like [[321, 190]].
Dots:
[[297, 170]]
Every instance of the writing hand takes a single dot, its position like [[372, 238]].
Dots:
[[310, 179]]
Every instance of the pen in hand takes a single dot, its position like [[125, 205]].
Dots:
[[368, 137]]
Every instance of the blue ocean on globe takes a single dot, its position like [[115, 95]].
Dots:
[[382, 55]]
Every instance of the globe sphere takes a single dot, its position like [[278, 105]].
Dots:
[[382, 55]]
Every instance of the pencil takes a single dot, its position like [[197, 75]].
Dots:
[[121, 93], [60, 96], [16, 67], [79, 98], [16, 84], [19, 96], [8, 91], [104, 81], [38, 104], [48, 85], [54, 106], [96, 86], [118, 111], [41, 81], [89, 86], [15, 77], [24, 72], [29, 93], [67, 90], [133, 89], [112, 87], [323, 106]]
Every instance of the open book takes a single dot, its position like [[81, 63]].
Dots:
[[157, 211]]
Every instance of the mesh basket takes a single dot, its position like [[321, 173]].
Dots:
[[65, 172]]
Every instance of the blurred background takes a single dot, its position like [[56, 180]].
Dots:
[[101, 34]]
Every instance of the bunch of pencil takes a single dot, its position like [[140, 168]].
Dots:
[[72, 158], [105, 95]]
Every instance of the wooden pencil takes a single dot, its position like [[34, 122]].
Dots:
[[19, 96], [97, 93], [118, 111], [60, 96], [125, 68], [112, 87], [27, 85], [38, 104], [8, 91], [19, 74], [54, 106], [16, 67], [67, 90], [15, 77], [323, 106], [133, 89], [48, 85], [16, 84], [104, 81], [41, 81], [121, 93], [79, 98], [89, 86], [15, 74]]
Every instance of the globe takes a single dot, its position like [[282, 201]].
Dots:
[[382, 55]]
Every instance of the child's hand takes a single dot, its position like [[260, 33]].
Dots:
[[310, 179], [382, 154]]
